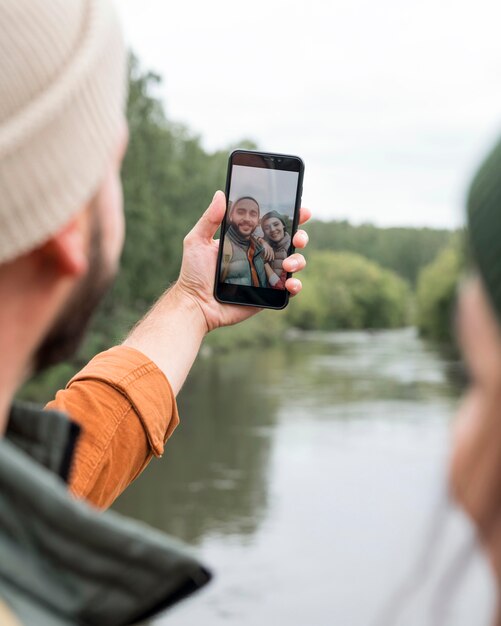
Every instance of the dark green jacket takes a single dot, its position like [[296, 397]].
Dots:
[[62, 562], [239, 271]]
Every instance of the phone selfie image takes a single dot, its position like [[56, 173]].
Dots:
[[263, 196]]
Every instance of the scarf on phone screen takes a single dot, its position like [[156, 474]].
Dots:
[[281, 250], [250, 256]]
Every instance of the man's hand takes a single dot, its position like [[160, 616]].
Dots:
[[171, 332], [196, 279]]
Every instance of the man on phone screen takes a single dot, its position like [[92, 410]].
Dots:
[[243, 254]]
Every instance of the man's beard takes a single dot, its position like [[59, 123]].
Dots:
[[245, 235], [66, 334]]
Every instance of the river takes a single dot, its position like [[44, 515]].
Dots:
[[306, 477]]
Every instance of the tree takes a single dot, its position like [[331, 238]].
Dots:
[[437, 294], [403, 250], [343, 290]]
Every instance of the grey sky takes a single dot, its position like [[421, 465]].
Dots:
[[391, 104], [273, 189]]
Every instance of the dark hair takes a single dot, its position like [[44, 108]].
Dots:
[[245, 198]]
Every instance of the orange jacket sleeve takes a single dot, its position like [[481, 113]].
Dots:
[[127, 411]]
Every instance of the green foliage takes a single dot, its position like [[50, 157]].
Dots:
[[42, 388], [437, 294], [403, 250], [168, 180], [265, 329], [343, 290]]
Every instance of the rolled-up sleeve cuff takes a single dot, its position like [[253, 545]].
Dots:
[[143, 384]]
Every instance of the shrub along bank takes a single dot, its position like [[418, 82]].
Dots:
[[437, 294], [343, 290]]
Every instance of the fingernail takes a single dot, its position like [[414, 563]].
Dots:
[[293, 265]]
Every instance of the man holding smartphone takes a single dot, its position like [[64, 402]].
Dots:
[[62, 140], [243, 262]]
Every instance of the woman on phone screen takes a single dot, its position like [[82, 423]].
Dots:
[[276, 235]]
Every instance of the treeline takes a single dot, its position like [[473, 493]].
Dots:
[[357, 276], [168, 180], [343, 290], [404, 250]]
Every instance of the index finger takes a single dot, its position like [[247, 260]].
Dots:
[[304, 215]]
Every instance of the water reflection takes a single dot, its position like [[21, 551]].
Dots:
[[345, 371], [213, 477], [215, 474], [314, 467]]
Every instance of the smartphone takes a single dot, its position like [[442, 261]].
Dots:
[[263, 195]]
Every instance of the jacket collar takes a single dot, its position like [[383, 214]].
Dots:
[[49, 437], [68, 560]]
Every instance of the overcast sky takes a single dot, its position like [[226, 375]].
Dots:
[[273, 189], [391, 104]]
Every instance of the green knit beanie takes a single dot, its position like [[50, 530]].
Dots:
[[271, 214], [484, 225]]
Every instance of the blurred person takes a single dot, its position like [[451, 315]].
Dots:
[[474, 480], [476, 461], [62, 140], [276, 235]]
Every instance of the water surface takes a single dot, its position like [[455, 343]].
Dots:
[[305, 476]]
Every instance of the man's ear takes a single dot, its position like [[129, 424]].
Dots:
[[67, 250]]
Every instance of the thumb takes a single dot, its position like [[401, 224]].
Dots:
[[210, 221]]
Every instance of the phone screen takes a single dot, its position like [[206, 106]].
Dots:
[[263, 195]]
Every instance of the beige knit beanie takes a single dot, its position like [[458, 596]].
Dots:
[[62, 92]]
